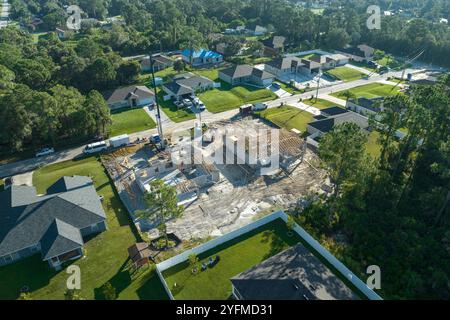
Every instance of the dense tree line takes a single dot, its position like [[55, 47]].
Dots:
[[47, 90], [171, 24], [392, 211]]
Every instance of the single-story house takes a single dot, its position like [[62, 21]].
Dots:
[[55, 224], [332, 111], [287, 65], [255, 30], [274, 46], [244, 73], [359, 53], [160, 62], [202, 57], [366, 106], [294, 274], [63, 32], [186, 85], [132, 96], [320, 127], [329, 61]]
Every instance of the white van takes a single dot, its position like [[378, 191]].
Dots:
[[95, 147]]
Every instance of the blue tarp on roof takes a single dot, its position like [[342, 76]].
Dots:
[[202, 53]]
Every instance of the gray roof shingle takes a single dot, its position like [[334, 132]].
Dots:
[[60, 238], [25, 217], [292, 274]]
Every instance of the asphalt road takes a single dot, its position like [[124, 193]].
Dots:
[[69, 154]]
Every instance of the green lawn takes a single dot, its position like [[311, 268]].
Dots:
[[210, 73], [371, 90], [129, 121], [166, 74], [171, 110], [346, 73], [288, 88], [288, 117], [372, 145], [236, 256], [319, 104], [106, 257], [227, 97]]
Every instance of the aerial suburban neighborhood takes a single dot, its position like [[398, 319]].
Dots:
[[231, 150]]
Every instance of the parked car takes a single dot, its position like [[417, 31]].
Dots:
[[201, 106], [196, 101], [45, 152], [178, 104], [259, 106], [95, 147], [276, 86], [187, 103]]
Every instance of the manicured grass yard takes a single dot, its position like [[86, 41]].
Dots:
[[166, 74], [171, 110], [319, 104], [227, 97], [371, 90], [288, 117], [129, 121], [106, 256], [372, 145], [346, 73], [236, 256]]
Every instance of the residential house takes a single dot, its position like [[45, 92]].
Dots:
[[160, 62], [360, 53], [55, 224], [63, 32], [274, 46], [330, 61], [246, 74], [186, 85], [202, 57], [331, 117], [131, 97], [255, 30], [366, 106], [288, 65], [293, 274]]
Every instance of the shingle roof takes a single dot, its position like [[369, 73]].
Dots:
[[333, 111], [177, 88], [285, 63], [158, 59], [122, 94], [370, 104], [292, 274], [25, 217], [323, 125], [245, 70], [60, 238], [275, 42]]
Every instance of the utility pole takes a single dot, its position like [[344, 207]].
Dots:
[[158, 115], [318, 84]]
